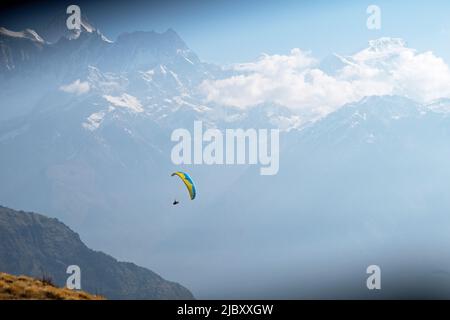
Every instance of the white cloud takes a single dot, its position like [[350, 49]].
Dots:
[[278, 64], [77, 87], [387, 67]]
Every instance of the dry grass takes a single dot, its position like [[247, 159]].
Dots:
[[22, 287]]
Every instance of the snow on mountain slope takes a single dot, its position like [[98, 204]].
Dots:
[[125, 101], [19, 50], [89, 142], [26, 34]]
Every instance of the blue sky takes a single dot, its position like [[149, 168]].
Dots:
[[235, 31]]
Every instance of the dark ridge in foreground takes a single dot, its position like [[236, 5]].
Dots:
[[34, 245]]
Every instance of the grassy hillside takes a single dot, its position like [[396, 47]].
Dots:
[[22, 287]]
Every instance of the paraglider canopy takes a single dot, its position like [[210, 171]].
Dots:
[[187, 181]]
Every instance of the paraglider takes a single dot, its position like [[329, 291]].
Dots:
[[187, 182]]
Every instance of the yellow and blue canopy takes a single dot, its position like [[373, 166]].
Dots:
[[187, 181]]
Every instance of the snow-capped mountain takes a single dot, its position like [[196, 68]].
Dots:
[[377, 54], [85, 127], [57, 28], [152, 74], [93, 131], [19, 49], [26, 34]]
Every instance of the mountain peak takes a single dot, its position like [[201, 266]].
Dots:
[[169, 37], [386, 44], [171, 31], [57, 29], [25, 34]]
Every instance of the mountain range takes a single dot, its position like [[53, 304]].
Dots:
[[85, 137]]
